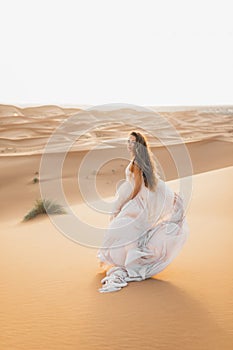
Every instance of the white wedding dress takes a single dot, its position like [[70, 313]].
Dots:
[[146, 235]]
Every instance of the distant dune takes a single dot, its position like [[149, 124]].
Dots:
[[27, 130]]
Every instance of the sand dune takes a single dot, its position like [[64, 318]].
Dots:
[[21, 128], [49, 284]]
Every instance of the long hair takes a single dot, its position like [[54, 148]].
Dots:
[[143, 166]]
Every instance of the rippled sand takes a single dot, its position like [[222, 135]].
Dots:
[[28, 129]]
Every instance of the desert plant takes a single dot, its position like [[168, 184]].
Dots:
[[44, 206], [35, 180]]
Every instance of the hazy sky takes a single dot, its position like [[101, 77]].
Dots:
[[146, 52]]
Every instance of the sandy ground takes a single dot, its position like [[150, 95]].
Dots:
[[49, 283]]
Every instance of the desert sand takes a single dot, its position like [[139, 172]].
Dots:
[[49, 283]]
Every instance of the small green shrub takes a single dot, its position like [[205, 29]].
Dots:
[[35, 180], [44, 206]]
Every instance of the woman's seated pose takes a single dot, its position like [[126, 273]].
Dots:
[[147, 227]]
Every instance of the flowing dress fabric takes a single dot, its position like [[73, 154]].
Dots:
[[145, 236]]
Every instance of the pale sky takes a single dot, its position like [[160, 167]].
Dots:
[[93, 52]]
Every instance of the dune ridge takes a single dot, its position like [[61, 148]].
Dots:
[[27, 130]]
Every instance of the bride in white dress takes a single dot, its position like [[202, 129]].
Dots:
[[147, 228]]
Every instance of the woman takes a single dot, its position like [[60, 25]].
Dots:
[[147, 227]]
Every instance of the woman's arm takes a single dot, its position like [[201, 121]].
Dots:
[[127, 190], [123, 195]]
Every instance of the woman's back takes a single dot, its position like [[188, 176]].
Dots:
[[159, 202]]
